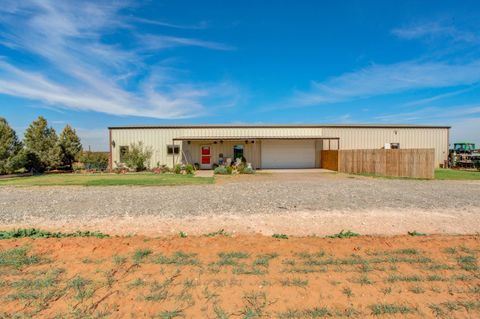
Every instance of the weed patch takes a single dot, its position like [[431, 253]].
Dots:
[[383, 309], [18, 257], [140, 255], [38, 233], [344, 234]]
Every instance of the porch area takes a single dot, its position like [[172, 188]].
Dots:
[[276, 152]]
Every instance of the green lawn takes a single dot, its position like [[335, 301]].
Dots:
[[456, 174], [137, 179]]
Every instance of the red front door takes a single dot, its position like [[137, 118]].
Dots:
[[206, 156]]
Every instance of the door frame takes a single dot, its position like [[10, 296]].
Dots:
[[205, 166]]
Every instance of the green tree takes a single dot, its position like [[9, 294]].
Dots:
[[42, 140], [10, 146], [137, 157], [70, 146]]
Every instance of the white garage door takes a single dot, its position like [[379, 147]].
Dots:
[[288, 154]]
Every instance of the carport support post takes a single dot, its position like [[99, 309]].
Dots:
[[173, 153]]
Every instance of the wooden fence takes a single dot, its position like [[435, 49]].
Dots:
[[416, 163], [329, 160]]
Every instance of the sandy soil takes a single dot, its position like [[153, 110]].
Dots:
[[262, 277]]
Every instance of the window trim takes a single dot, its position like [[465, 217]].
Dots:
[[173, 150]]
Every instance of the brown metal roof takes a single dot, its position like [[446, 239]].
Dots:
[[233, 125]]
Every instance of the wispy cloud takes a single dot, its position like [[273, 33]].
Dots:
[[433, 113], [439, 97], [378, 80], [199, 26], [76, 67], [434, 30], [156, 42]]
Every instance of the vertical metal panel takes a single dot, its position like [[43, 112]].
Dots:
[[157, 139], [375, 138]]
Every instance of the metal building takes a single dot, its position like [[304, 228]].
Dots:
[[269, 146]]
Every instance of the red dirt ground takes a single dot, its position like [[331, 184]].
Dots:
[[263, 277]]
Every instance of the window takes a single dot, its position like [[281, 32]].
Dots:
[[394, 146], [173, 149], [123, 152]]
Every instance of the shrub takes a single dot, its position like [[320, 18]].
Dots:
[[247, 170], [94, 160], [26, 161], [137, 157], [189, 169], [221, 170], [477, 164], [160, 169], [197, 166], [229, 170], [177, 169], [78, 166]]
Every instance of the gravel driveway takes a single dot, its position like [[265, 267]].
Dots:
[[301, 204]]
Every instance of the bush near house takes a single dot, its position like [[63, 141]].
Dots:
[[188, 169], [235, 169], [137, 157], [92, 161]]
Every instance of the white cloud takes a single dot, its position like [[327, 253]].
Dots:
[[76, 68], [378, 80], [432, 30], [156, 42], [445, 114]]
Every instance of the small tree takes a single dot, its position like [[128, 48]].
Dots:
[[70, 146], [25, 161], [43, 141], [137, 157], [10, 146]]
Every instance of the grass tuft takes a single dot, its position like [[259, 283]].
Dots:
[[383, 309], [140, 255], [220, 232], [415, 233], [18, 257], [344, 234]]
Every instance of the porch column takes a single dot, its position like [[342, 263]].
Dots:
[[173, 153]]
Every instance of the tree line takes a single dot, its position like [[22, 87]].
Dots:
[[41, 149]]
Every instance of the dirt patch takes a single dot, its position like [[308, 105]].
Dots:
[[241, 277]]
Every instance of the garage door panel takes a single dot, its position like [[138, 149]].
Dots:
[[288, 154]]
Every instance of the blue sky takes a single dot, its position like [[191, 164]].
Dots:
[[105, 63]]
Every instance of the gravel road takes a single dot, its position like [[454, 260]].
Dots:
[[439, 206]]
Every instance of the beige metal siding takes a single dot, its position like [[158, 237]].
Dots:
[[374, 138], [157, 139]]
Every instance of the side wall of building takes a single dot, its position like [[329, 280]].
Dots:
[[157, 139], [373, 138]]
